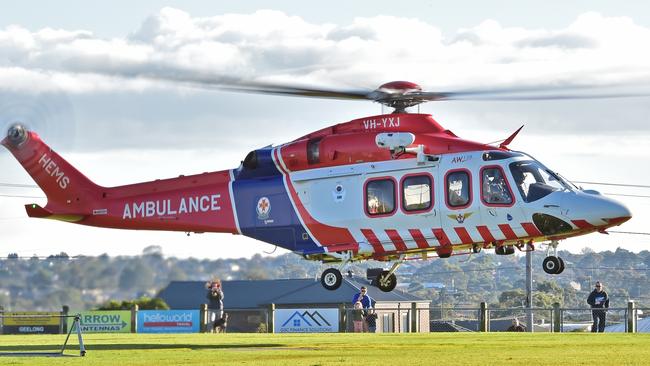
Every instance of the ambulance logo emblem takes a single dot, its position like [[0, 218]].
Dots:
[[263, 208]]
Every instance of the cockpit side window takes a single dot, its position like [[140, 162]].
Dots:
[[495, 190], [535, 181]]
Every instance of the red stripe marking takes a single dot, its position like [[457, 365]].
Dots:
[[397, 240], [582, 224], [419, 238], [617, 220], [507, 231], [325, 234], [372, 239], [463, 235], [485, 233], [531, 229], [441, 236]]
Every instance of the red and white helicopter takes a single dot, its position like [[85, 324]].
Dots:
[[389, 187]]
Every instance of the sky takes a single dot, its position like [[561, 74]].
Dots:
[[75, 73]]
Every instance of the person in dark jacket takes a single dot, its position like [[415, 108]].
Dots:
[[599, 301], [215, 302], [516, 326]]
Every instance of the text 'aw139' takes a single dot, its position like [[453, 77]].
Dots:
[[390, 188]]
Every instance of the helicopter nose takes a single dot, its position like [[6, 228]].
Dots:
[[601, 211], [616, 214]]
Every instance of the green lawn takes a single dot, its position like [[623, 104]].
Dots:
[[339, 349]]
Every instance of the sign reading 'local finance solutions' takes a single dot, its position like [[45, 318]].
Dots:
[[168, 321], [306, 320], [118, 321]]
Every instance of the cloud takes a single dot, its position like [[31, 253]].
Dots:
[[275, 45]]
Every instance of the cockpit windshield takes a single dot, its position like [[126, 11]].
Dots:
[[535, 181]]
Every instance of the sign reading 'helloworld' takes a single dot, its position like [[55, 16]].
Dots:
[[168, 321]]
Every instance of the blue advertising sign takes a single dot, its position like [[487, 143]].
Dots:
[[168, 321]]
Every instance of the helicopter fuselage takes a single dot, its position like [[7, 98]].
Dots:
[[384, 187]]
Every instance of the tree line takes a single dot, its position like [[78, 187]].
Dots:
[[465, 280]]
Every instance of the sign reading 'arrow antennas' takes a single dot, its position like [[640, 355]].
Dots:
[[105, 321], [306, 320]]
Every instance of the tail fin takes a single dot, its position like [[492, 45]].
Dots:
[[67, 190]]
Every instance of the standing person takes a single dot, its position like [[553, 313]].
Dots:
[[371, 321], [366, 303], [357, 317], [215, 302], [598, 299]]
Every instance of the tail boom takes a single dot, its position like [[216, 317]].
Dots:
[[196, 203]]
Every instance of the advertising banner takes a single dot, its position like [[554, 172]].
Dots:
[[306, 320], [31, 322], [168, 321], [116, 321]]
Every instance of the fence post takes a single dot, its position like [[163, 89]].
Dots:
[[203, 318], [557, 318], [483, 318], [134, 318], [2, 311], [414, 317], [631, 315], [342, 319], [65, 309], [271, 325]]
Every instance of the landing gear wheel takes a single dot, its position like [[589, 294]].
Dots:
[[561, 268], [331, 279], [385, 282], [551, 265]]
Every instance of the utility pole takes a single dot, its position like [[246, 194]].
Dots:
[[529, 289]]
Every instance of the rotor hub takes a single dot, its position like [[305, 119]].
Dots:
[[398, 95], [17, 134]]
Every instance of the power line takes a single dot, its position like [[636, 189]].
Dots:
[[626, 195], [613, 184], [19, 196], [628, 232], [17, 185]]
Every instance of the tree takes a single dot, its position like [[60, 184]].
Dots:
[[144, 303]]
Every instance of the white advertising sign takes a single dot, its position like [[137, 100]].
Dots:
[[306, 320]]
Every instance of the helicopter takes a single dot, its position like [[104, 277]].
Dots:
[[391, 187]]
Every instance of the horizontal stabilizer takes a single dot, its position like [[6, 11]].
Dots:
[[34, 210]]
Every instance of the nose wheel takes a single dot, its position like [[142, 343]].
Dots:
[[553, 264], [331, 279]]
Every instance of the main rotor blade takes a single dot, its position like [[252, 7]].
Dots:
[[238, 85], [552, 92], [557, 92]]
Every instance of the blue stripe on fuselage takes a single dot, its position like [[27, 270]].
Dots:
[[282, 227]]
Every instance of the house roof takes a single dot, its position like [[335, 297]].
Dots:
[[443, 326], [249, 294]]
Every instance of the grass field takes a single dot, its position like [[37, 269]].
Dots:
[[338, 349]]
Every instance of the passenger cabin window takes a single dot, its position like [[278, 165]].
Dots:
[[416, 193], [380, 197], [494, 187], [458, 189]]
